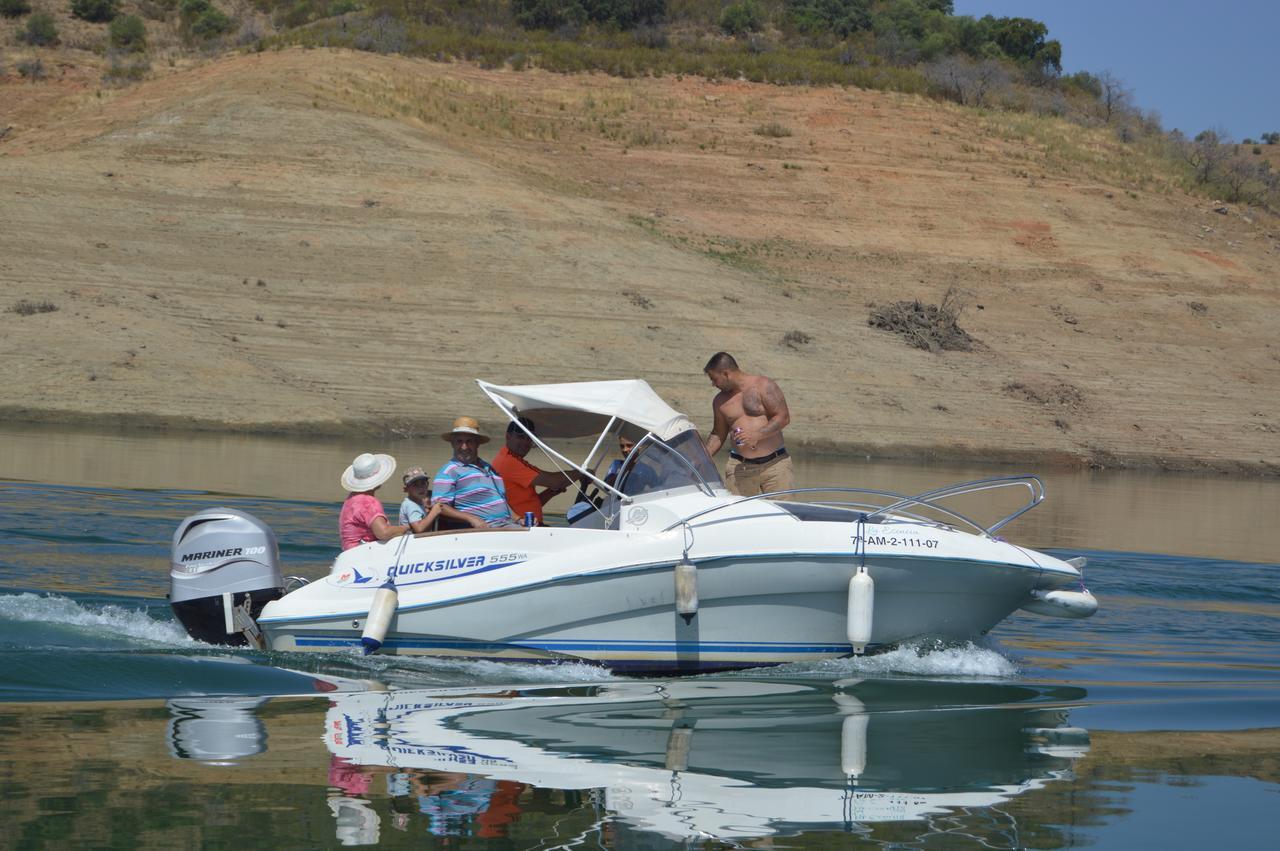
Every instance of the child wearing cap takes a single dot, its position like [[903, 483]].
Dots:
[[413, 511]]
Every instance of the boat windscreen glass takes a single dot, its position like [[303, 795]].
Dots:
[[655, 465]]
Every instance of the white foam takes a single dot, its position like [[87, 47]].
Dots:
[[484, 670], [920, 658], [112, 619]]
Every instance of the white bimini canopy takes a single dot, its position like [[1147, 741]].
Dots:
[[585, 408]]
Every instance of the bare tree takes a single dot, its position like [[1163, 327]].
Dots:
[[965, 81], [1247, 180], [1114, 98], [1208, 153]]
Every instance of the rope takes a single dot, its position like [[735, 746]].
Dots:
[[860, 541]]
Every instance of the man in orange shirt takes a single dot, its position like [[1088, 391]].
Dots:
[[522, 478]]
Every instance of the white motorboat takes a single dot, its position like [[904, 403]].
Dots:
[[664, 571], [724, 759]]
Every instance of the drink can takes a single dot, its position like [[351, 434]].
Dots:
[[530, 519]]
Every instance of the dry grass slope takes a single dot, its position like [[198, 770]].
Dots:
[[323, 240]]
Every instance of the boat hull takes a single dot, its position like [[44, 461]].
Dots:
[[753, 612]]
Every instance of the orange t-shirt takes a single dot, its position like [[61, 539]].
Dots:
[[518, 475]]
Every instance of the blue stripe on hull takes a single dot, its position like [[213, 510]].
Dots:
[[568, 645], [685, 657]]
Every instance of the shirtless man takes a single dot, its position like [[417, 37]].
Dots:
[[752, 410]]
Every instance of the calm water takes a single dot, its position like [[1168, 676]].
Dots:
[[1157, 722]]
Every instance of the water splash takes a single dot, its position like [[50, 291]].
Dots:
[[443, 670], [924, 657], [110, 620]]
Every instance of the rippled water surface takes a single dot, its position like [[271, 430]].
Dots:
[[1153, 723]]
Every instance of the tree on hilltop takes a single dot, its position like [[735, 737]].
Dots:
[[1025, 40]]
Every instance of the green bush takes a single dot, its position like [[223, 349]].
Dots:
[[841, 17], [202, 20], [212, 23], [41, 30], [128, 32], [741, 18], [94, 11], [548, 14], [553, 14], [14, 8]]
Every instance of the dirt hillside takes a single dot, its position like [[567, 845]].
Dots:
[[322, 241]]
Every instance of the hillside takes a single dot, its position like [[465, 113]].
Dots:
[[329, 241]]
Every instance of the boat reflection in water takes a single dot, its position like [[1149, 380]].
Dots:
[[727, 759], [216, 730]]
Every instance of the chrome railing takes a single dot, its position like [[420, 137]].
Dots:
[[899, 504]]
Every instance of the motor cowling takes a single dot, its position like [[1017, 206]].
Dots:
[[222, 559]]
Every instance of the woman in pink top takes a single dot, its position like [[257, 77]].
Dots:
[[363, 519]]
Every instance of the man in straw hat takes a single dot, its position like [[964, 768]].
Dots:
[[363, 519], [468, 490]]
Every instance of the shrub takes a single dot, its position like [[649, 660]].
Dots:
[[548, 14], [14, 8], [932, 327], [31, 69], [741, 18], [30, 308], [773, 130], [94, 11], [200, 19], [41, 30], [384, 34], [796, 339], [128, 32], [123, 73]]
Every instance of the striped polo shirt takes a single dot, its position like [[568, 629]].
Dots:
[[472, 488]]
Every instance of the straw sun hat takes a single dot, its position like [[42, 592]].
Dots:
[[368, 472], [466, 425]]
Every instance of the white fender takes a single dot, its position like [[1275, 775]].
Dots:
[[686, 588], [862, 595], [385, 600], [853, 735], [679, 740], [1062, 603]]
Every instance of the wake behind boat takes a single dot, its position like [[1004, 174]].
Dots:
[[663, 571]]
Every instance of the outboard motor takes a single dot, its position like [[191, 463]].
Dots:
[[225, 566]]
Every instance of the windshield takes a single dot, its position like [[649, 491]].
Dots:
[[657, 466]]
